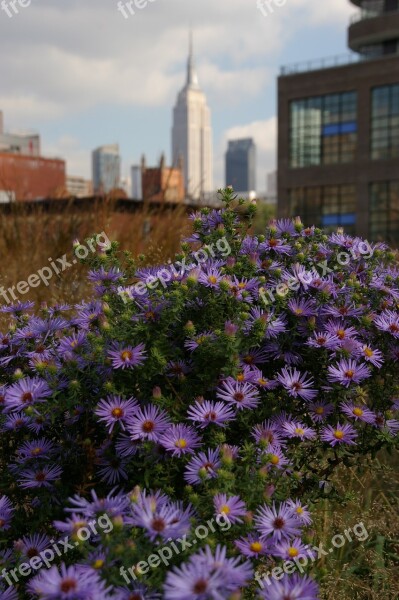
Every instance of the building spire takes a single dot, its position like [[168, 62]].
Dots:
[[192, 78]]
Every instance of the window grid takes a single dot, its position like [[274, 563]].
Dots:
[[385, 122], [384, 212], [328, 207], [323, 130]]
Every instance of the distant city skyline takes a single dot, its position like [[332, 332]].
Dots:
[[79, 94]]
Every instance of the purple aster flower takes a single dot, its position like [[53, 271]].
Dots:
[[295, 429], [114, 410], [103, 276], [32, 545], [293, 587], [127, 356], [230, 506], [261, 381], [180, 439], [168, 520], [302, 307], [375, 357], [391, 426], [275, 457], [178, 368], [256, 356], [68, 583], [203, 466], [241, 395], [113, 469], [25, 392], [205, 412], [339, 434], [340, 330], [72, 524], [320, 410], [279, 523], [388, 321], [287, 550], [40, 477], [18, 308], [6, 513], [268, 433], [252, 546], [359, 413], [9, 593], [148, 423], [69, 344], [347, 372], [210, 277], [136, 591], [276, 245], [114, 505], [207, 576], [324, 340], [15, 422], [125, 446], [40, 448], [296, 383], [198, 340], [301, 512]]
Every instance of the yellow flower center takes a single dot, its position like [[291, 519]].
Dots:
[[126, 355], [180, 443], [292, 552], [225, 510], [338, 434], [349, 374], [274, 459], [319, 410], [117, 413], [256, 547], [357, 412], [240, 377], [299, 510], [98, 563], [299, 430], [212, 279], [368, 352]]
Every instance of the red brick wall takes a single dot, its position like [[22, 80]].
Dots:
[[31, 178]]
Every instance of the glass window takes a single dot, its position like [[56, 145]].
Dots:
[[385, 122], [384, 212], [323, 130]]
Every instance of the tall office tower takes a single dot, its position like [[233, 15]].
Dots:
[[106, 168], [338, 130], [192, 135], [241, 165]]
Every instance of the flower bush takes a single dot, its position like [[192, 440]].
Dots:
[[193, 414]]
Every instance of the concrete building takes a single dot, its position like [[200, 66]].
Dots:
[[192, 135], [240, 165], [106, 168], [162, 184], [79, 187], [338, 139]]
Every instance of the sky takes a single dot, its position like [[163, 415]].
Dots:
[[82, 75]]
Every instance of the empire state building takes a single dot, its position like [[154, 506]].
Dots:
[[192, 135]]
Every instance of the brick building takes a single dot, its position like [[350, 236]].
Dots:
[[30, 178], [162, 184]]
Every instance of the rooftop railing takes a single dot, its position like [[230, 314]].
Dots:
[[321, 63]]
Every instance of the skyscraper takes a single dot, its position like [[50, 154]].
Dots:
[[241, 165], [106, 167], [192, 135]]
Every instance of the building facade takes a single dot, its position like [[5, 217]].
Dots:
[[79, 187], [338, 140], [106, 168], [19, 143], [240, 161], [30, 177], [192, 136], [162, 184]]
